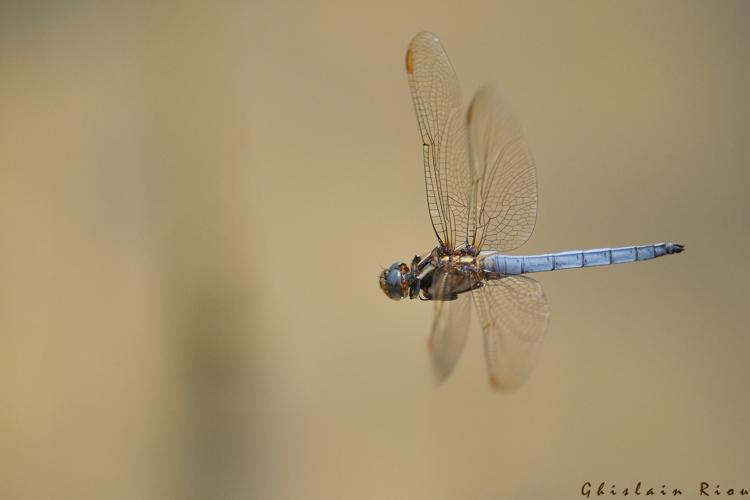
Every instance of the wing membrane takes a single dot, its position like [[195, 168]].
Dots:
[[450, 327], [437, 102], [513, 313], [506, 187]]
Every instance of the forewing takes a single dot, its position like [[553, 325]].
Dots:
[[450, 326], [506, 185], [437, 101], [513, 313]]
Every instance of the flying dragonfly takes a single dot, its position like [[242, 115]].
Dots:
[[481, 189]]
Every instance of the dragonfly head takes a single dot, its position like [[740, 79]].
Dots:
[[394, 281]]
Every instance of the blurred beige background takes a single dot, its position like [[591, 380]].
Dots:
[[195, 201]]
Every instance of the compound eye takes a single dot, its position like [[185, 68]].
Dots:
[[395, 265], [393, 280]]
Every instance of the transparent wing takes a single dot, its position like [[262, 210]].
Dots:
[[437, 101], [450, 327], [505, 175], [513, 313]]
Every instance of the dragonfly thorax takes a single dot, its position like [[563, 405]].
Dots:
[[400, 281]]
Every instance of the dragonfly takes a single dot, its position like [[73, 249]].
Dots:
[[481, 190]]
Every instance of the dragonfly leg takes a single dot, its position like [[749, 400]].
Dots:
[[413, 277], [414, 288], [415, 263]]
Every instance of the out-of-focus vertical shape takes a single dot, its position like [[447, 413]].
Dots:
[[124, 255], [198, 140], [81, 362]]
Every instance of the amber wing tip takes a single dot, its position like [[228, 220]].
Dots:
[[507, 386], [430, 344]]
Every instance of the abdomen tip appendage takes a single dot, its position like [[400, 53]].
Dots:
[[674, 248]]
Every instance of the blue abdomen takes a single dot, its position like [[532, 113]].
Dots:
[[521, 264]]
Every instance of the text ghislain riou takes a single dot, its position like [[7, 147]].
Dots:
[[703, 489]]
